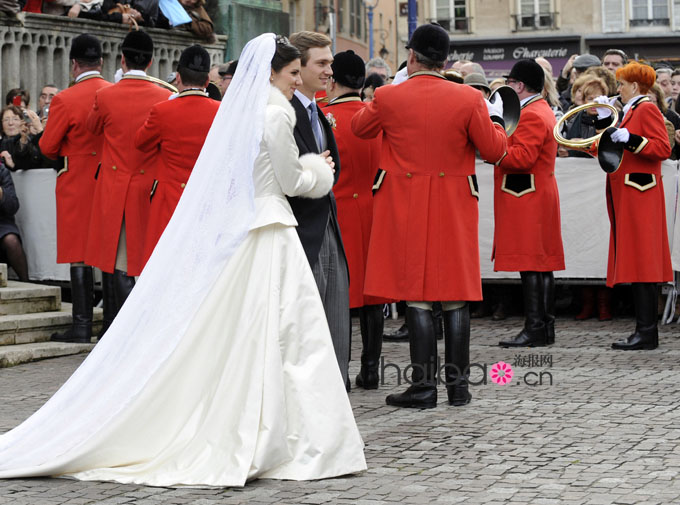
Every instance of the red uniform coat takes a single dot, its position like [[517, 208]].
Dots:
[[527, 230], [176, 130], [424, 246], [66, 135], [126, 174], [360, 162], [638, 242]]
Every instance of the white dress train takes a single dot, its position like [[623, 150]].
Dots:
[[252, 389]]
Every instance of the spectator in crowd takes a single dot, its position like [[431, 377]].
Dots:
[[671, 118], [663, 78], [373, 82], [130, 12], [547, 66], [606, 75], [21, 102], [20, 134], [201, 25], [472, 68], [45, 99], [11, 9], [226, 75], [675, 86], [571, 71], [11, 250], [582, 125], [613, 59], [496, 83], [378, 66], [549, 92], [478, 81]]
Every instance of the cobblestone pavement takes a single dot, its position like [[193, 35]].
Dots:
[[606, 431]]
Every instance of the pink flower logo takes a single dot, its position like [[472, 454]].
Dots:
[[501, 373]]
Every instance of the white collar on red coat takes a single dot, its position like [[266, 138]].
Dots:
[[85, 74], [631, 102]]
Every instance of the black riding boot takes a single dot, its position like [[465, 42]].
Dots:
[[81, 299], [646, 334], [533, 334], [109, 303], [423, 346], [549, 306], [122, 286], [438, 323], [457, 354], [371, 320]]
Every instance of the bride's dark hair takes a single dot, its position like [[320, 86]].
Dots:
[[285, 53]]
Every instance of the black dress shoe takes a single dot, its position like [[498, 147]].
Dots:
[[526, 339], [367, 379], [636, 342], [417, 396], [458, 395], [400, 334]]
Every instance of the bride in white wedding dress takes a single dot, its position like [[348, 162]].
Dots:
[[219, 367]]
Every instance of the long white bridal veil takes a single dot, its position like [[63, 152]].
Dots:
[[211, 220]]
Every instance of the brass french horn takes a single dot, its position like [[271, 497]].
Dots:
[[511, 107], [609, 153]]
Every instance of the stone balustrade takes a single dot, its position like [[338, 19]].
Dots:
[[37, 53]]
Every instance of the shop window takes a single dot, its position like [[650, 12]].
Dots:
[[452, 15], [534, 15], [649, 13]]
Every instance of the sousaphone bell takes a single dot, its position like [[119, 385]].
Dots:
[[609, 153], [511, 107]]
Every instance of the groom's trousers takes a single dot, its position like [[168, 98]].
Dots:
[[332, 278]]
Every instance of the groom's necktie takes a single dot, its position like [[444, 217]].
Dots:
[[316, 125]]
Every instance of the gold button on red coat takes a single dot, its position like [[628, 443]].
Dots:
[[94, 153], [114, 167], [409, 175], [182, 185], [441, 174], [355, 195], [141, 171]]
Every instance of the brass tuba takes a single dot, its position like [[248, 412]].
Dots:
[[609, 153], [511, 107]]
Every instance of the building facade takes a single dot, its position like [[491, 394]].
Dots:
[[347, 23], [496, 33]]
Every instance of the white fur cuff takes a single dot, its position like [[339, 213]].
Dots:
[[321, 174]]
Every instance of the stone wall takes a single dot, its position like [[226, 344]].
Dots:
[[37, 53]]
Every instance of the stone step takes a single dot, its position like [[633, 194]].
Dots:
[[3, 275], [26, 298], [11, 355], [31, 328]]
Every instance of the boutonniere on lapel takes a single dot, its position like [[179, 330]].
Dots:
[[331, 120]]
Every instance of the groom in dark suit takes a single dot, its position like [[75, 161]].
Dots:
[[317, 219]]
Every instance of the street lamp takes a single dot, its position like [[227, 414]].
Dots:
[[370, 5]]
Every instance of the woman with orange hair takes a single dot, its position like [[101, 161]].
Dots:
[[638, 242]]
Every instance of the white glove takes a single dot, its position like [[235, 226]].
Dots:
[[495, 108], [603, 112], [621, 135], [118, 75]]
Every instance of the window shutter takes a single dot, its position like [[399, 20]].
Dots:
[[613, 16], [675, 19]]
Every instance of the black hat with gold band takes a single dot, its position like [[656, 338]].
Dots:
[[137, 47], [85, 47], [432, 41], [194, 58], [349, 69]]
